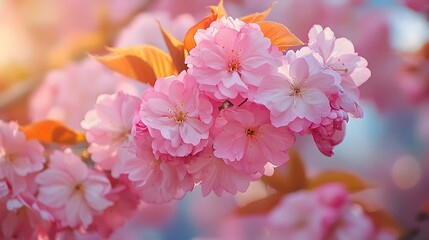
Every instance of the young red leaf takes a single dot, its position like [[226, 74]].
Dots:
[[50, 131], [279, 35]]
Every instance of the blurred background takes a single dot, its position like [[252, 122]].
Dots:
[[45, 72]]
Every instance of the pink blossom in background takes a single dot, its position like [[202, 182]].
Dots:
[[383, 60], [248, 141], [177, 116], [231, 58], [213, 174], [19, 157], [144, 29], [92, 15], [72, 191], [108, 128], [65, 94], [325, 213], [418, 5], [299, 92], [414, 75], [156, 180]]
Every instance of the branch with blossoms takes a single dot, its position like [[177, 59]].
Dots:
[[222, 110]]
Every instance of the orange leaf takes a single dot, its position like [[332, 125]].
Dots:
[[144, 63], [352, 182], [257, 17], [290, 177], [176, 49], [50, 131], [203, 24], [279, 35], [219, 10], [260, 206]]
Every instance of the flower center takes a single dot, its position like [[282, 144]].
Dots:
[[297, 89], [233, 66], [233, 59], [340, 67], [78, 188], [177, 114], [250, 132]]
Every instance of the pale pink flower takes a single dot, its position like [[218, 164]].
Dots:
[[213, 174], [299, 91], [330, 132], [339, 55], [325, 213], [155, 179], [65, 94], [125, 205], [18, 156], [73, 191], [231, 58], [177, 116], [108, 128], [247, 140]]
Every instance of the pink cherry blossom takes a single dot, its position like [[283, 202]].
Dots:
[[177, 116], [231, 58], [18, 156], [247, 140], [155, 179], [339, 55], [125, 204], [74, 192], [109, 126], [213, 174], [330, 132], [325, 213], [299, 92], [65, 94]]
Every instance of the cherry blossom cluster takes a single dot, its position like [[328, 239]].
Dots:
[[232, 116], [227, 120]]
